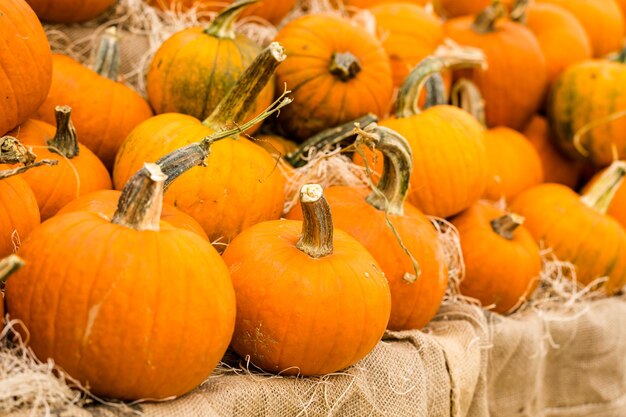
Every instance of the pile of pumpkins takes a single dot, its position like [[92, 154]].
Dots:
[[112, 200]]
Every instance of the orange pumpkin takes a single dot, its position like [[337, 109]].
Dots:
[[556, 167], [133, 296], [456, 8], [240, 175], [602, 19], [365, 4], [336, 71], [25, 75], [194, 69], [69, 11], [271, 10], [105, 111], [617, 207], [578, 229], [502, 260], [342, 300], [418, 280], [622, 5], [104, 202], [514, 82]]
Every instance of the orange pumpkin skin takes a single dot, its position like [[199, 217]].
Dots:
[[365, 4], [498, 271], [617, 209], [238, 174], [120, 307], [593, 242], [408, 33], [19, 213], [275, 144], [104, 111], [413, 305], [193, 71], [271, 10], [622, 5], [514, 83], [104, 202], [26, 70], [55, 186], [69, 11], [556, 167], [456, 8], [602, 19], [321, 99], [338, 318], [562, 38], [514, 165]]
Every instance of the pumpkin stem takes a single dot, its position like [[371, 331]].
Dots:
[[329, 137], [317, 226], [17, 171], [13, 152], [506, 225], [619, 57], [140, 204], [345, 66], [242, 97], [448, 56], [64, 142], [601, 194], [435, 91], [107, 62], [485, 22], [467, 96], [223, 26], [519, 12], [9, 266]]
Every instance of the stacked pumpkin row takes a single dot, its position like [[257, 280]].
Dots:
[[116, 283]]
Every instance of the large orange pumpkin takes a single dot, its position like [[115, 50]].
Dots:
[[418, 279], [79, 171], [514, 82], [340, 298], [69, 11], [336, 71], [105, 111], [271, 10], [242, 184], [26, 70], [194, 69], [133, 296], [578, 229], [502, 260], [602, 19]]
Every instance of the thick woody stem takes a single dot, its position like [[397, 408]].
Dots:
[[506, 225], [64, 141], [485, 22], [344, 66], [317, 227], [107, 62], [467, 96], [8, 266]]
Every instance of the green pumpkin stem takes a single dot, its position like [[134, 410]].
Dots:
[[8, 266], [467, 96], [317, 226], [64, 141], [435, 89], [449, 56], [329, 137], [241, 99], [519, 13], [141, 202], [486, 20], [223, 26], [619, 57], [506, 225], [107, 62], [344, 66], [601, 194]]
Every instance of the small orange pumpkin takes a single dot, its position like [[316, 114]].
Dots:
[[502, 259], [341, 300], [69, 11]]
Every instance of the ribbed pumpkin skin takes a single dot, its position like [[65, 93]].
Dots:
[[498, 271], [192, 72], [104, 202], [156, 307], [588, 92], [104, 111], [514, 165], [321, 99], [556, 167], [514, 83], [19, 213], [364, 4], [271, 10], [69, 11], [594, 243], [55, 186], [408, 33], [617, 209], [602, 19], [240, 186], [339, 309], [25, 74], [413, 305], [562, 38], [456, 8]]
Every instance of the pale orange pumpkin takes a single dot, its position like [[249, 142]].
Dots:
[[69, 11]]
